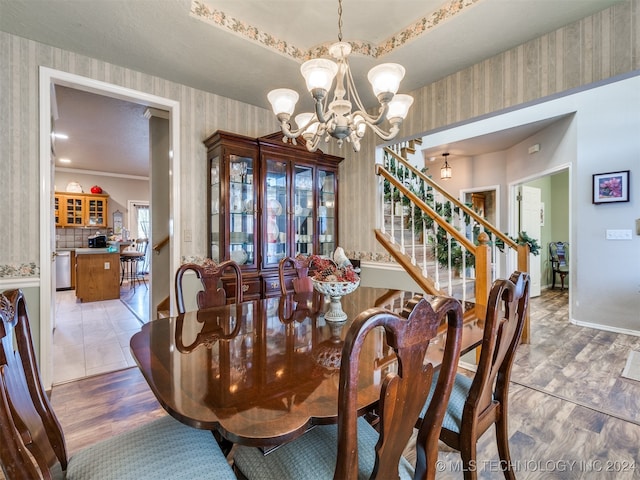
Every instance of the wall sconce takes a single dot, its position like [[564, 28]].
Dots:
[[445, 171]]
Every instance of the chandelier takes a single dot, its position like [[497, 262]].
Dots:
[[445, 171], [335, 118]]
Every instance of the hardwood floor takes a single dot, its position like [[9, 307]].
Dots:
[[571, 414]]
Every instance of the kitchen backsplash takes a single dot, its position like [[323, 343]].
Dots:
[[77, 237]]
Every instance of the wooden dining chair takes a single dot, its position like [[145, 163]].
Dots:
[[210, 274], [353, 448], [301, 282], [479, 402], [559, 257], [33, 444]]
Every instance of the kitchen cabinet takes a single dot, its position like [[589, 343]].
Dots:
[[95, 209], [268, 200], [71, 210], [80, 210]]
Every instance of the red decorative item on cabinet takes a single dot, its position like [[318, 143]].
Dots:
[[96, 189]]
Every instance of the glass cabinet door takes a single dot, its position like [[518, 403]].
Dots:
[[275, 220], [303, 207], [327, 212], [242, 210], [214, 221]]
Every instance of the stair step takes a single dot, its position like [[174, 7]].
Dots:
[[405, 150]]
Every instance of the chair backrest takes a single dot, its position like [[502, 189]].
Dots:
[[506, 311], [141, 245], [300, 306], [302, 282], [403, 395], [559, 253], [210, 275], [32, 440]]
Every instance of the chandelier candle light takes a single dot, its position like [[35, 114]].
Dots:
[[336, 119]]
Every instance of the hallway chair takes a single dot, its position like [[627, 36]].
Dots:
[[559, 257], [33, 444]]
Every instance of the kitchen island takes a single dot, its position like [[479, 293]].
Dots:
[[97, 274]]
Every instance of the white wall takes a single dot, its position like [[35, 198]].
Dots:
[[605, 278]]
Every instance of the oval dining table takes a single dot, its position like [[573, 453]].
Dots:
[[263, 372]]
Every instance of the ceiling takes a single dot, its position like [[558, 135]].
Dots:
[[243, 49]]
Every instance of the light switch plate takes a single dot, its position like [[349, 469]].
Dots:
[[619, 235]]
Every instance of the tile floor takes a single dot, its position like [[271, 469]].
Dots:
[[90, 338]]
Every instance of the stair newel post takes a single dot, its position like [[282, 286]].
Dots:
[[523, 266], [483, 274]]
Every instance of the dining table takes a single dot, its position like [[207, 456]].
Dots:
[[262, 372]]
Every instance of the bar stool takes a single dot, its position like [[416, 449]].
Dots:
[[130, 262]]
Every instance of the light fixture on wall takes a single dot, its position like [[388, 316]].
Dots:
[[445, 171], [335, 119]]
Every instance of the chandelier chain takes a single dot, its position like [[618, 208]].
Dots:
[[334, 115], [339, 20]]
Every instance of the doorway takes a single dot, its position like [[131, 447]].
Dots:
[[541, 206], [49, 78]]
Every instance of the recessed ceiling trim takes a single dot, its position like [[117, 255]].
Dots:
[[249, 32], [101, 174]]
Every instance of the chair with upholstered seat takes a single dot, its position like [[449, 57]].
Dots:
[[479, 402], [559, 257], [210, 274], [33, 444], [353, 448], [301, 282]]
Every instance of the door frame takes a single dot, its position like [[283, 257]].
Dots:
[[514, 207], [47, 78]]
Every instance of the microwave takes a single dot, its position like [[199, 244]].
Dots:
[[98, 241]]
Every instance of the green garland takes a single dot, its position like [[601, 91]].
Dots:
[[446, 211], [523, 239]]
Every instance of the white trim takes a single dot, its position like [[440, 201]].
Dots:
[[102, 174], [47, 77], [7, 283], [381, 265], [472, 367], [606, 328]]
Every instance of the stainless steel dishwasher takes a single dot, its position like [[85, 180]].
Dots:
[[63, 270]]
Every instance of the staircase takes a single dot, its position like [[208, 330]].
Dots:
[[442, 244]]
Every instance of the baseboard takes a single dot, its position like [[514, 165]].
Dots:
[[606, 328]]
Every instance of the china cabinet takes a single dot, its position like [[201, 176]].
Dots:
[[268, 200]]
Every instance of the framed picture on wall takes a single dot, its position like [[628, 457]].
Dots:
[[611, 187]]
